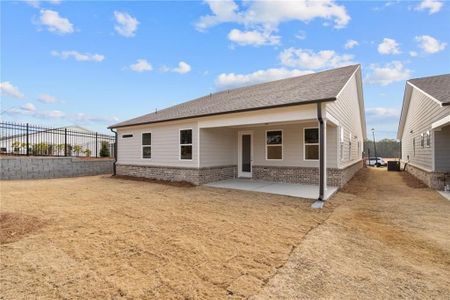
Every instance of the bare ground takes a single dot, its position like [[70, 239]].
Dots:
[[390, 239], [117, 238], [383, 236]]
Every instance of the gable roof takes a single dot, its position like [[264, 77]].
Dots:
[[316, 87], [438, 87]]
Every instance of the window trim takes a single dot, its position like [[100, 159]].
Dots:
[[304, 143], [271, 145], [151, 146], [428, 139], [180, 144], [422, 140]]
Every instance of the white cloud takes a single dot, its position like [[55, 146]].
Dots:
[[232, 80], [429, 44], [28, 107], [387, 74], [253, 37], [413, 53], [182, 68], [46, 98], [301, 35], [6, 88], [78, 56], [308, 59], [29, 110], [433, 6], [382, 112], [269, 14], [350, 44], [37, 3], [54, 22], [389, 46], [141, 65], [126, 24]]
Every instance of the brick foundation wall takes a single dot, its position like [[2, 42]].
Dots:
[[434, 180], [52, 167], [335, 177], [192, 175]]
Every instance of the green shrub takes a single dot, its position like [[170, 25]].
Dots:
[[104, 150]]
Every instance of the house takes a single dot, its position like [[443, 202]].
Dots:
[[288, 130], [424, 129]]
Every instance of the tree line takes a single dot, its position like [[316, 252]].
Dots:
[[386, 148]]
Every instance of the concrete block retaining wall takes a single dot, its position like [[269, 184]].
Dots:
[[434, 180], [52, 167]]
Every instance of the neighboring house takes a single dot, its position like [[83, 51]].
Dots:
[[268, 131], [424, 129], [51, 141]]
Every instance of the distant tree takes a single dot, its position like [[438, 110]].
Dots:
[[87, 152], [104, 150], [60, 148], [387, 148], [40, 149], [77, 149]]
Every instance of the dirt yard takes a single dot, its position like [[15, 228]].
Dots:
[[383, 236]]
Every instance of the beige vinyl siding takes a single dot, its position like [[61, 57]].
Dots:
[[346, 109], [292, 145], [218, 147], [422, 112], [165, 145], [442, 150]]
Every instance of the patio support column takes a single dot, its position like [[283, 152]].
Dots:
[[322, 153]]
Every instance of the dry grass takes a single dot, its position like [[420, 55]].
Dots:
[[387, 240], [113, 238], [14, 226]]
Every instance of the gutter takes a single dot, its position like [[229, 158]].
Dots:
[[321, 153], [115, 151]]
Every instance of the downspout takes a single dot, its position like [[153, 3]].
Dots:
[[115, 151], [321, 153]]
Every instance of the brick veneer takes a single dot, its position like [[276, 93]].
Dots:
[[192, 175], [335, 177], [434, 180]]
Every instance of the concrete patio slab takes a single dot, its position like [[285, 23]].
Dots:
[[445, 194], [288, 189]]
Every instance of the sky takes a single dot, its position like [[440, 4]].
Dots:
[[95, 63]]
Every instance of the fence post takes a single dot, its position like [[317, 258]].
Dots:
[[96, 143], [28, 141], [65, 141]]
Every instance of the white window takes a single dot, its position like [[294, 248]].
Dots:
[[186, 144], [422, 140], [274, 144], [311, 143], [428, 139], [147, 145]]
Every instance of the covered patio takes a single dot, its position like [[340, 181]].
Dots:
[[307, 191]]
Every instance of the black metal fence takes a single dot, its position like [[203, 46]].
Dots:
[[29, 139]]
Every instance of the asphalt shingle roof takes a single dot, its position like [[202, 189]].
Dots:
[[436, 86], [321, 86]]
